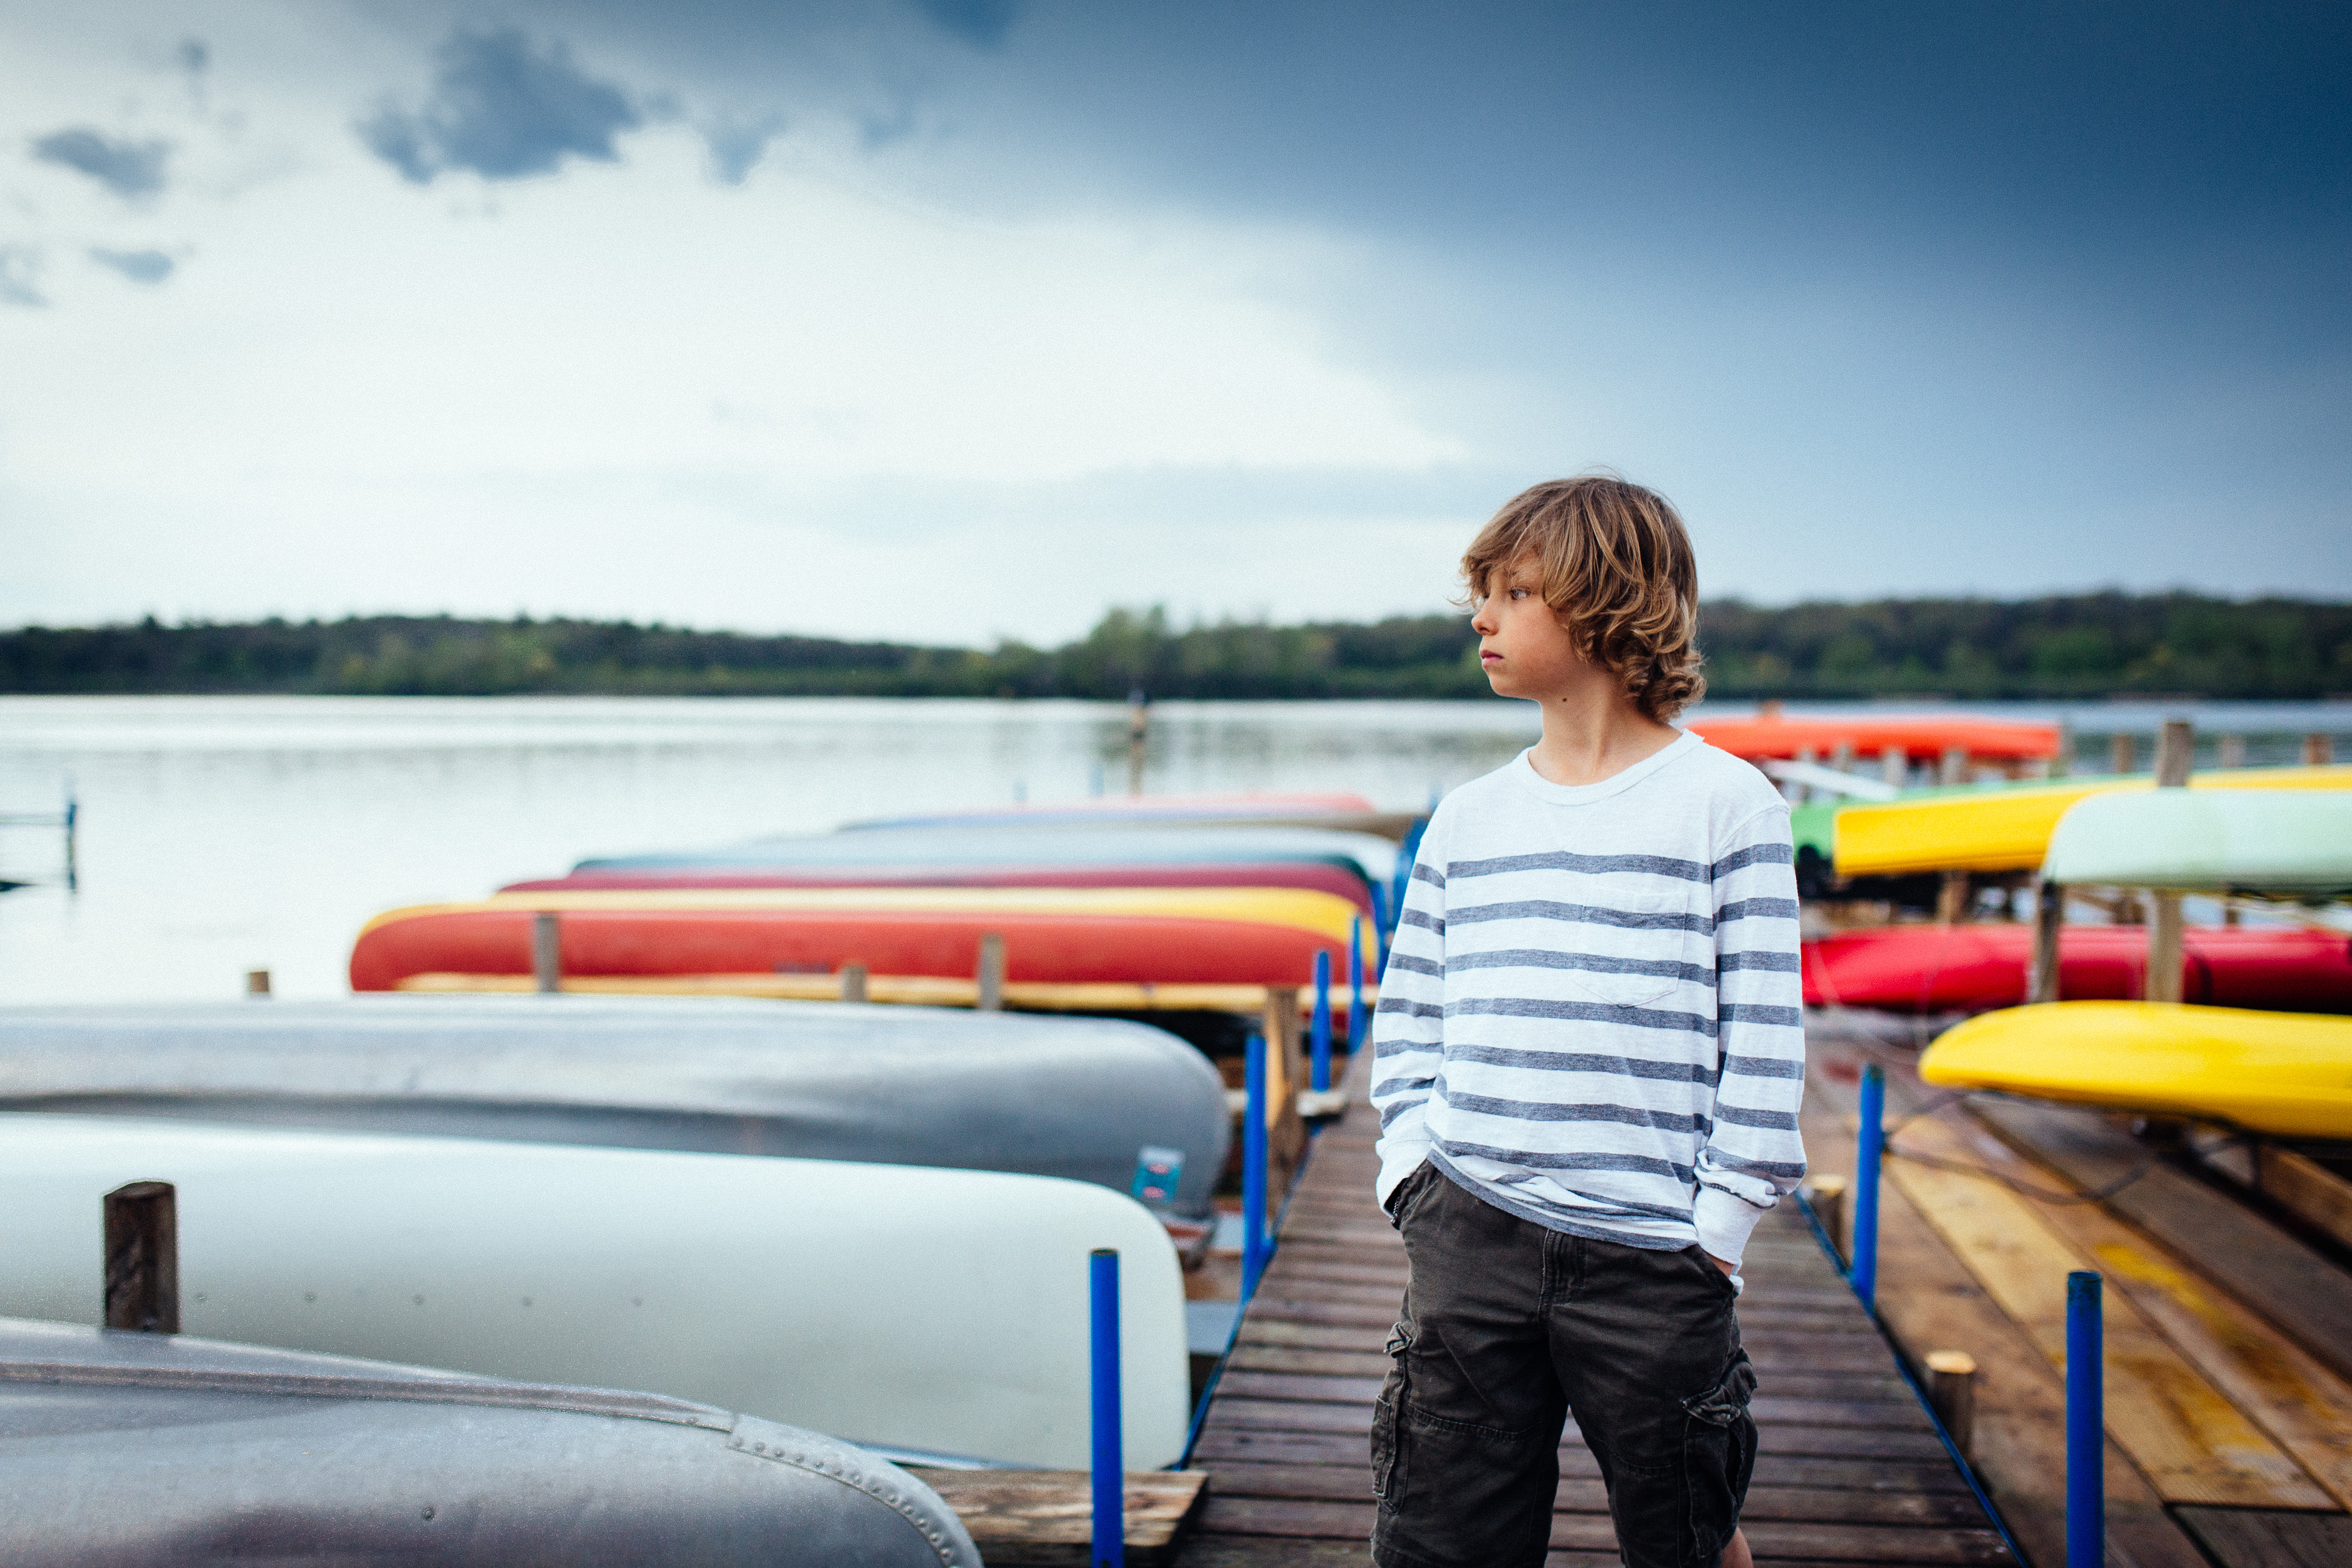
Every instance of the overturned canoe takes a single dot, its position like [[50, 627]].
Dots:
[[1922, 736], [2008, 829], [940, 1312], [1308, 878], [1141, 808], [1118, 1104], [2285, 1074], [2221, 841], [166, 1450], [1969, 968], [1366, 855], [1147, 936]]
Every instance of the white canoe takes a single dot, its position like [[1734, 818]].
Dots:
[[907, 1310], [174, 1452], [2246, 841], [1092, 1098]]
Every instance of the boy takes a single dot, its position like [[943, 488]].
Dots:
[[1588, 1060]]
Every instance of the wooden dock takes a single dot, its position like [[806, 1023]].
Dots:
[[1851, 1470]]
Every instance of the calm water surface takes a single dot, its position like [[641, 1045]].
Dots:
[[226, 834]]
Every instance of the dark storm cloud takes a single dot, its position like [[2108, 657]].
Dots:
[[504, 110], [980, 23], [125, 167], [138, 266]]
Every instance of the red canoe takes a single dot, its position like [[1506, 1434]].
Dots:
[[1923, 737], [1970, 968], [1175, 936], [1314, 877]]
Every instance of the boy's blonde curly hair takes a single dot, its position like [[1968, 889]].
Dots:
[[1616, 566]]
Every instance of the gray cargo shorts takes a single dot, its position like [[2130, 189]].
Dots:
[[1508, 1327]]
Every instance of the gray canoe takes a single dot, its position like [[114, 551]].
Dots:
[[160, 1450], [1122, 1105]]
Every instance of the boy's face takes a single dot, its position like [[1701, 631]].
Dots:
[[1526, 651]]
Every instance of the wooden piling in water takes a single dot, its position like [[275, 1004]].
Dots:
[[990, 998], [2175, 748]]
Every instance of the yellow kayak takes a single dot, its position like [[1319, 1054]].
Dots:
[[2008, 829], [2286, 1074]]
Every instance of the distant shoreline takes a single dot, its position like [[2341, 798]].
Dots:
[[2084, 647]]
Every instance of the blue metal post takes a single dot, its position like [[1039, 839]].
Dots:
[[1319, 1040], [1870, 1150], [1254, 1154], [2086, 1424], [1110, 1458], [1360, 1034]]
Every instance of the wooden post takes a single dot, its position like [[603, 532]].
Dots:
[[1894, 766], [1955, 767], [991, 973], [1952, 1390], [142, 1258], [2120, 754], [1842, 758], [1286, 1069], [2049, 920], [1827, 1195], [547, 951], [2234, 751], [1952, 900], [1139, 727], [853, 983], [256, 983], [2176, 749], [2318, 750]]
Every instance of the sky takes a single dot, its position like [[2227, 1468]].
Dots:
[[950, 320]]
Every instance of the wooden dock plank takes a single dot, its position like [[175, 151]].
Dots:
[[1851, 1470], [1931, 1302], [2193, 1444]]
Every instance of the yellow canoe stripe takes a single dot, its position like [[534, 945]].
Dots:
[[1324, 914], [2007, 829]]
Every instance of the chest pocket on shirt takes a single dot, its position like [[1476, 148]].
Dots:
[[1640, 959]]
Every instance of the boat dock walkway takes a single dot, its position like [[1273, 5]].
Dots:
[[1851, 1470]]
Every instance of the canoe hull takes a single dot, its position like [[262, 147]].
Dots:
[[1265, 936], [165, 1451], [1073, 1098], [925, 1310], [1970, 968], [1310, 877], [2287, 1074]]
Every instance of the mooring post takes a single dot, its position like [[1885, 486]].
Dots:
[[1827, 1195], [1868, 1150], [2318, 749], [2176, 751], [2049, 920], [1360, 1034], [1109, 1458], [256, 983], [853, 983], [990, 998], [547, 951], [1319, 1041], [1952, 1390], [2086, 1424], [142, 1258], [1254, 1157]]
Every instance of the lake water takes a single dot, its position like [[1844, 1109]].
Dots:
[[220, 834]]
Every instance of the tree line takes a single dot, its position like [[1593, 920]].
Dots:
[[2080, 645]]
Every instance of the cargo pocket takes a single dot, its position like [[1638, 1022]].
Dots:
[[1719, 1455], [1388, 1423]]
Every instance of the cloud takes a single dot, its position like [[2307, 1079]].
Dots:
[[127, 168], [138, 266], [737, 145], [980, 23], [502, 109], [18, 266]]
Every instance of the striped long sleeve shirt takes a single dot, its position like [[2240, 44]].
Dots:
[[1590, 1015]]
